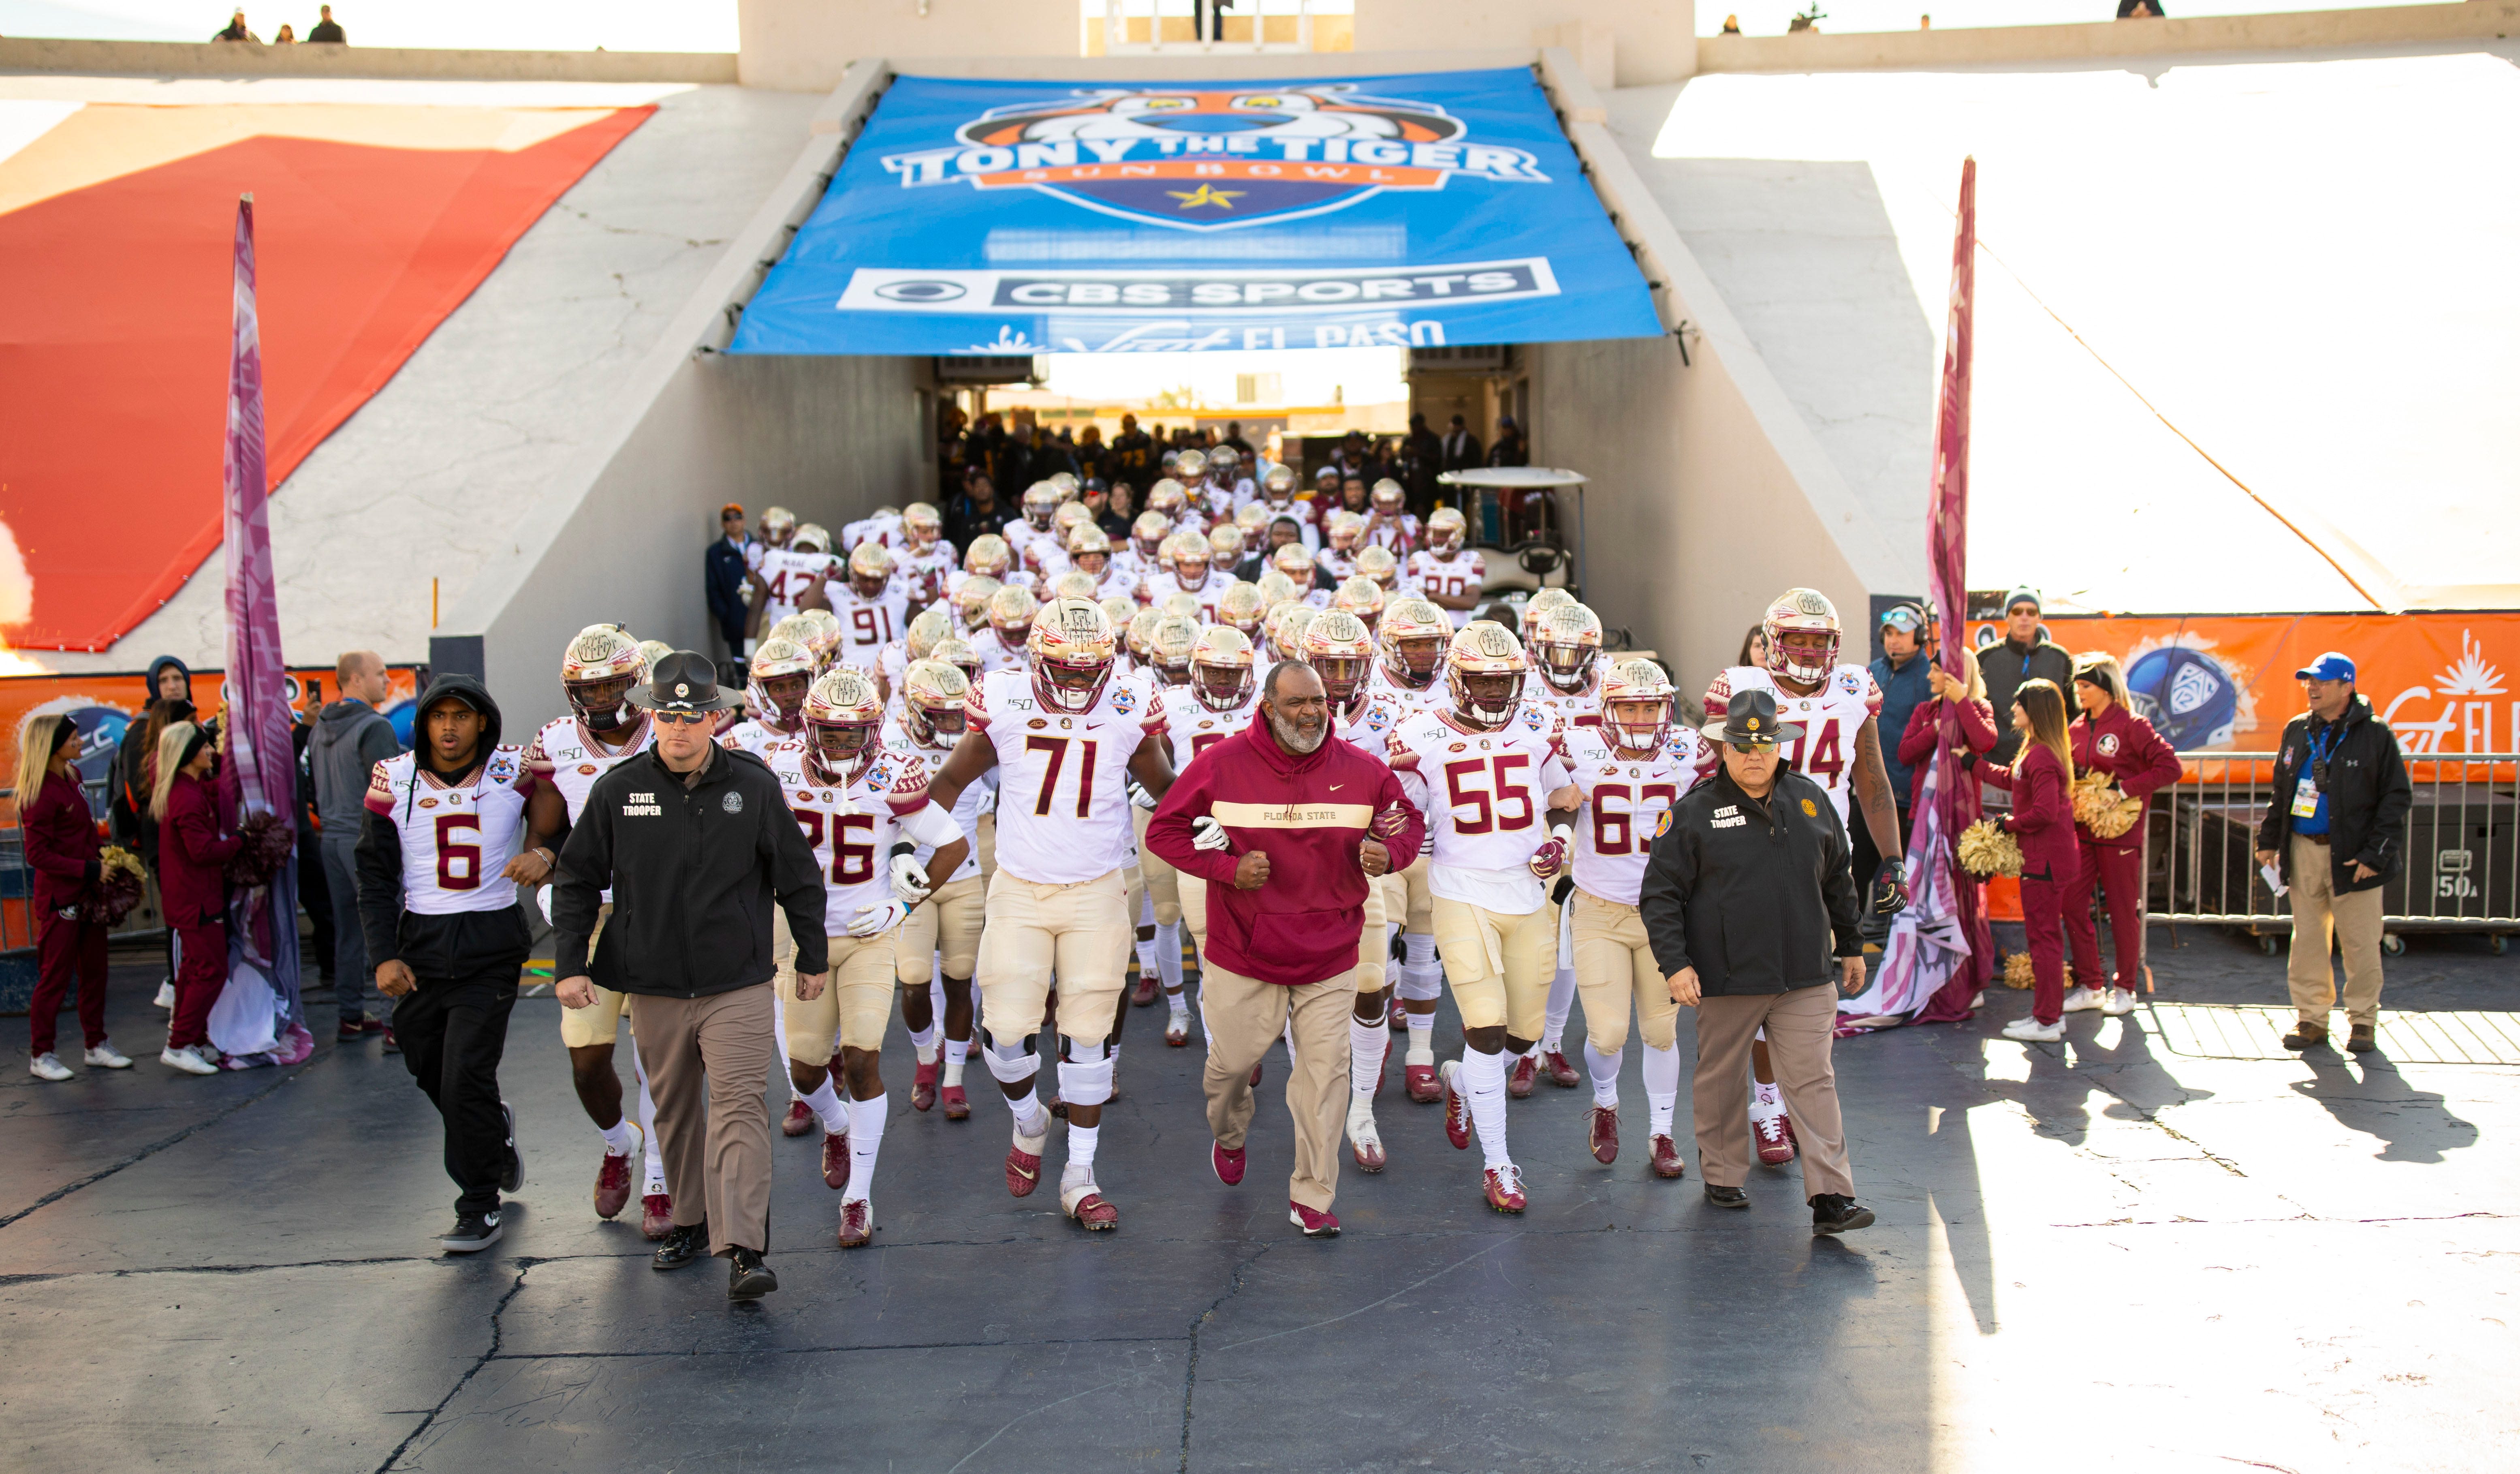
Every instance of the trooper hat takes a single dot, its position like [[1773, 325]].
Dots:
[[684, 681], [1750, 721]]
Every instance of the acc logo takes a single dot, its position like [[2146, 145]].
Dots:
[[1811, 810], [429, 802], [2108, 744], [1037, 723], [1461, 746], [1199, 159], [586, 769]]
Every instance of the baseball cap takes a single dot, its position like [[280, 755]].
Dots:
[[2331, 665], [1907, 616], [731, 509]]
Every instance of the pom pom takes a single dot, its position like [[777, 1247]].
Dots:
[[2101, 808], [2017, 972], [122, 880], [268, 839], [1986, 850]]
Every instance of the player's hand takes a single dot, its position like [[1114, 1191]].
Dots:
[[809, 986], [394, 978], [1138, 796], [1372, 858], [878, 919], [909, 885], [528, 868], [1683, 987], [1850, 975], [1207, 834], [1251, 872], [575, 993], [1549, 859], [1890, 887], [1388, 823]]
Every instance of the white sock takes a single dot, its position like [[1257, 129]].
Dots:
[[925, 1040], [826, 1102], [866, 1139], [1168, 956], [619, 1140], [1605, 1074], [958, 1052], [1421, 1039], [1147, 964], [1764, 1094], [648, 1125], [1422, 965], [1532, 1054], [1178, 1004], [1081, 1142], [1367, 1044], [1483, 1082], [1030, 1119], [1662, 1086], [1289, 1036], [1561, 1002]]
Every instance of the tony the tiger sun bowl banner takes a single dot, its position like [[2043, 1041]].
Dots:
[[1026, 217]]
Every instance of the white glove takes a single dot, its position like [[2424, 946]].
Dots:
[[910, 883], [1138, 796], [878, 919], [1207, 834]]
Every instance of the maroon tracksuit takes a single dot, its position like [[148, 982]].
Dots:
[[62, 849], [192, 856], [2124, 746], [2043, 821]]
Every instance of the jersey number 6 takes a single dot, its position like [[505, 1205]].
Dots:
[[451, 854]]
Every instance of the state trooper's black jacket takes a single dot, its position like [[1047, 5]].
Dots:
[[694, 873], [1758, 897]]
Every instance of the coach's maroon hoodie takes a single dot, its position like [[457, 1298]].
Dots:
[[1310, 813]]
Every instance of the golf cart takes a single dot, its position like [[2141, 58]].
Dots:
[[1519, 518]]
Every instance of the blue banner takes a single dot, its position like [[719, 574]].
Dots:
[[1033, 217]]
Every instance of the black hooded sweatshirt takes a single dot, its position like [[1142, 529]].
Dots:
[[452, 946]]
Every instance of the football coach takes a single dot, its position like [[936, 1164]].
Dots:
[[695, 842], [1289, 825], [1749, 903]]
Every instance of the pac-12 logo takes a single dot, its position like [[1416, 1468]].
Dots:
[[1214, 159]]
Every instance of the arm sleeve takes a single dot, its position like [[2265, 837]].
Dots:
[[2388, 841], [1168, 831], [2036, 798], [931, 826], [1662, 901], [379, 858], [1995, 776], [1411, 841], [577, 888], [796, 880]]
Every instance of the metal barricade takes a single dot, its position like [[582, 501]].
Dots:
[[2463, 854]]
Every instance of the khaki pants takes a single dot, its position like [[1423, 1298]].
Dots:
[[855, 1005], [948, 921], [1801, 1028], [1244, 1017], [2352, 921], [1160, 880], [1499, 965], [599, 1023], [1614, 964], [1080, 932], [708, 1061], [1406, 898]]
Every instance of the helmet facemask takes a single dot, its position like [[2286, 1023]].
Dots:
[[842, 748], [1568, 667], [1418, 657], [1486, 699], [1222, 688], [1340, 676], [782, 698], [1071, 686], [1636, 724], [1803, 656], [599, 703]]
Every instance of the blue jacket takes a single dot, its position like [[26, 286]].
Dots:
[[1902, 693], [726, 600]]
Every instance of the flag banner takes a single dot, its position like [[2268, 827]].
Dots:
[[998, 218]]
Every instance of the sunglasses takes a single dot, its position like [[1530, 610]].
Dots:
[[1901, 618], [682, 718], [1752, 749]]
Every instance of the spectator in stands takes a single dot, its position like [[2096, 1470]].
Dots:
[[327, 31], [1132, 456], [288, 35], [352, 737], [2336, 832], [236, 30], [63, 852], [192, 855], [2025, 653], [1462, 449], [1509, 449], [978, 510], [729, 559], [1093, 457], [1233, 437], [1900, 673], [2139, 10]]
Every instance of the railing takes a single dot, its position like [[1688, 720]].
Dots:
[[2463, 854], [1197, 27]]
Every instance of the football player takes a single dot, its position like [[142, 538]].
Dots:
[[1837, 706], [1338, 559], [1448, 574], [1217, 701], [788, 574], [1166, 499], [883, 528], [1225, 549], [971, 601], [1242, 607], [873, 610], [783, 671], [1278, 497], [1630, 765], [1190, 470], [916, 643], [1143, 558], [941, 940], [1000, 646], [1485, 770], [859, 807], [1188, 557], [1229, 490], [818, 630], [1565, 682], [1075, 583], [596, 673], [989, 557], [1300, 571], [1410, 650], [1378, 565], [1390, 524], [925, 560], [1040, 504], [1065, 735], [1362, 597], [1543, 602], [1170, 639], [1088, 551]]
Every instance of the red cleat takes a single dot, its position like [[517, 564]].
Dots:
[[1505, 1188], [1228, 1162], [1255, 1074], [656, 1216], [1316, 1225], [1787, 1124], [1091, 1210], [1519, 1080], [1560, 1074], [923, 1085], [1399, 1012], [1424, 1086], [1177, 1031], [799, 1120], [1774, 1140], [1456, 1108], [1666, 1159], [958, 1106], [1603, 1133], [1023, 1167], [611, 1185], [835, 1160], [1149, 990], [857, 1224], [1364, 1138]]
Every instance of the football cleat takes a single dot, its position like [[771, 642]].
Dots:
[[1023, 1163], [857, 1224], [1769, 1133], [958, 1106], [1399, 1018], [656, 1216], [1456, 1108], [1505, 1188], [1255, 1073], [1665, 1158], [799, 1118], [1314, 1224], [835, 1160], [923, 1085], [1228, 1163], [1519, 1080], [1150, 987], [1560, 1072], [1085, 1203], [1363, 1138], [1177, 1031], [1601, 1133], [1423, 1086], [611, 1185]]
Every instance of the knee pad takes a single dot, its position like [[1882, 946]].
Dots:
[[1083, 1081], [1167, 913], [1009, 1063]]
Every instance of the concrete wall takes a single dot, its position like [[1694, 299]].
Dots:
[[241, 59], [805, 45], [1647, 40]]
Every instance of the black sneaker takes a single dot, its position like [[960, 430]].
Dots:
[[747, 1277], [1836, 1213], [1726, 1197], [683, 1245], [515, 1174], [472, 1232]]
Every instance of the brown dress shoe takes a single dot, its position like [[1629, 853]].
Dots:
[[2305, 1034], [2361, 1041]]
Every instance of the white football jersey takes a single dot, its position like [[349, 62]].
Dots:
[[1582, 709], [1377, 713], [852, 826], [1045, 560], [1116, 583], [757, 737], [789, 574], [1830, 717], [925, 572], [1139, 572], [455, 842], [1464, 573], [883, 529], [968, 809], [1485, 796], [867, 625], [1063, 779], [1218, 582], [1194, 727], [994, 653], [1624, 801], [1341, 567], [565, 754], [1400, 535]]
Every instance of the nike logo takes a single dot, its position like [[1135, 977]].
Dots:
[[1027, 1174], [1335, 787]]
